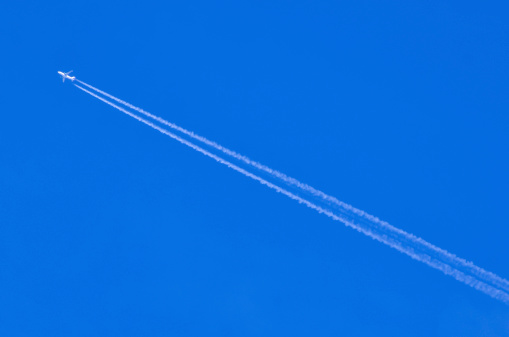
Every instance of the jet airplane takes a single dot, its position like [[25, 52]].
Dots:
[[66, 75]]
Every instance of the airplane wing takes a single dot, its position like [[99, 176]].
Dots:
[[67, 73], [63, 79]]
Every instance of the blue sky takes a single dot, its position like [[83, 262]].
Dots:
[[109, 228]]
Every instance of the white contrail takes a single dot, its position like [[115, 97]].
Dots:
[[342, 206], [428, 260]]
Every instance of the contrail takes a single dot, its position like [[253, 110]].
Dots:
[[343, 207], [428, 260]]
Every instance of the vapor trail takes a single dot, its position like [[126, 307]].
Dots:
[[426, 259], [342, 207]]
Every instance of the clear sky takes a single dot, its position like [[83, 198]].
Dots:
[[109, 228]]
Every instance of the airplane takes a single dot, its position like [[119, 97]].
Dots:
[[66, 75]]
